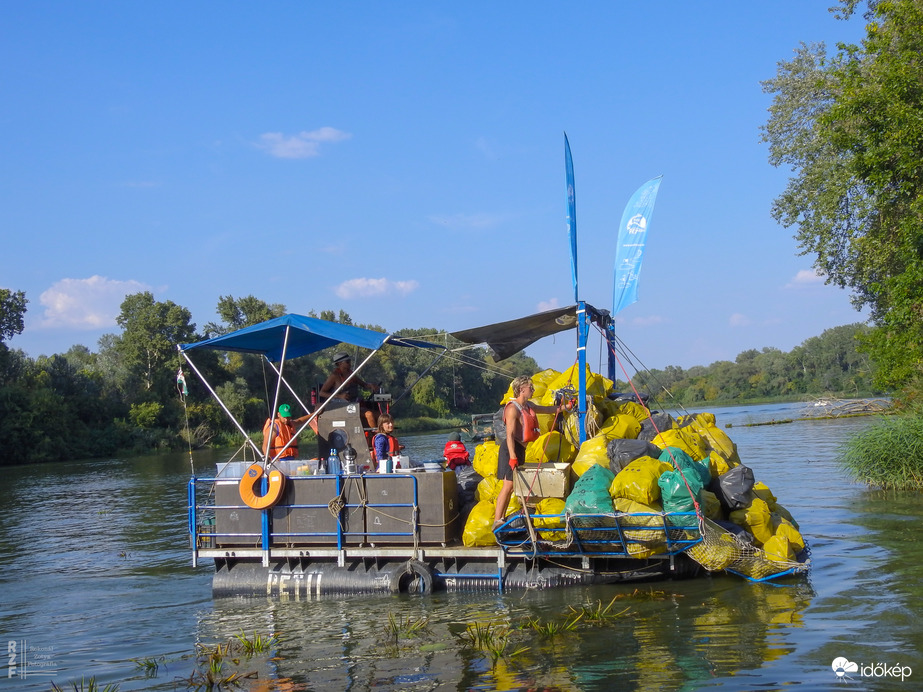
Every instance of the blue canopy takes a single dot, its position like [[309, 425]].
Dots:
[[306, 335]]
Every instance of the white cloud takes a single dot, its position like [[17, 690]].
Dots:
[[806, 277], [548, 305], [92, 303], [368, 288], [739, 320], [648, 321], [304, 145], [468, 221]]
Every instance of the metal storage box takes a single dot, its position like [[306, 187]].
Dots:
[[390, 510], [534, 482]]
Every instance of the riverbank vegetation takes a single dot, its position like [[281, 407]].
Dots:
[[889, 453], [849, 125], [124, 398]]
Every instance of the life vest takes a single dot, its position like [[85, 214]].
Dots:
[[279, 435], [394, 446], [456, 454], [528, 422]]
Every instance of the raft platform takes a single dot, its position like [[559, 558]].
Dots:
[[402, 533]]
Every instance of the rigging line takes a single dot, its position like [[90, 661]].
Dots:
[[652, 376], [695, 502]]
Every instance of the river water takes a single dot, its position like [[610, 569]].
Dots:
[[97, 582]]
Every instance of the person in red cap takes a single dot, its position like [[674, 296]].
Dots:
[[455, 453]]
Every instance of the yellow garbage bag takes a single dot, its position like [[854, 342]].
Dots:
[[762, 491], [485, 458], [779, 549], [488, 489], [638, 480], [717, 464], [550, 506], [479, 526], [550, 447], [756, 518], [641, 542], [635, 410], [687, 440], [594, 450], [710, 504], [785, 528], [622, 426]]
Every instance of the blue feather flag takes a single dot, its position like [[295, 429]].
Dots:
[[571, 213], [636, 220]]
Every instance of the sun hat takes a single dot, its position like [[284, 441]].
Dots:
[[285, 411], [340, 356]]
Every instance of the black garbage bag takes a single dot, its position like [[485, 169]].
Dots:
[[622, 452], [734, 488], [656, 424]]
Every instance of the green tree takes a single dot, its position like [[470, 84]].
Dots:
[[12, 310], [147, 345], [851, 128], [238, 313]]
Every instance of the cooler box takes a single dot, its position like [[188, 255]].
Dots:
[[534, 482]]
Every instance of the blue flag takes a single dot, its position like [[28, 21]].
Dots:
[[571, 213], [632, 235]]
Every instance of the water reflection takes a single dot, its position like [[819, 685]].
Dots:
[[674, 635], [96, 565]]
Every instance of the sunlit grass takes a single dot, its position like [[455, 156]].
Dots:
[[887, 454], [490, 639]]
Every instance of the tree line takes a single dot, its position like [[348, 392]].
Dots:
[[124, 398]]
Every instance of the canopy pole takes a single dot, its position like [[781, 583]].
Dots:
[[583, 329], [275, 403], [257, 450]]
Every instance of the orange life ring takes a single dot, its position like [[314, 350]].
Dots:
[[252, 478]]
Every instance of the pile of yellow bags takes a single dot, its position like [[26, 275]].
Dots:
[[636, 488]]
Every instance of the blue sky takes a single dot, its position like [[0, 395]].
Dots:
[[403, 162]]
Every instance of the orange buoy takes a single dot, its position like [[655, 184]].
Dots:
[[250, 482]]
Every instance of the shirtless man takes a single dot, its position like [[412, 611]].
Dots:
[[521, 428], [342, 369]]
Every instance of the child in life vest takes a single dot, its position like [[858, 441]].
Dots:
[[384, 444], [455, 453]]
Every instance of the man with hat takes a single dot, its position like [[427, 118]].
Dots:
[[343, 371], [277, 433]]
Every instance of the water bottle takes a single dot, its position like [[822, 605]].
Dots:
[[333, 463]]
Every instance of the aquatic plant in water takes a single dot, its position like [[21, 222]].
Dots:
[[490, 639], [887, 454], [85, 686]]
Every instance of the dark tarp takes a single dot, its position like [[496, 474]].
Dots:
[[306, 335], [508, 338]]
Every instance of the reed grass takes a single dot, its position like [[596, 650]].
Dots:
[[150, 666], [887, 454], [85, 686], [492, 640], [408, 627]]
